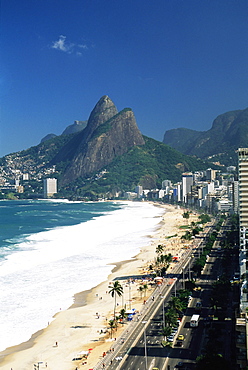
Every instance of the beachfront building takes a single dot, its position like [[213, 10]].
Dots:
[[211, 174], [166, 184], [50, 187], [243, 222], [235, 196], [187, 182], [139, 191]]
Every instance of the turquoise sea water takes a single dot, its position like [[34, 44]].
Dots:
[[50, 250], [18, 219]]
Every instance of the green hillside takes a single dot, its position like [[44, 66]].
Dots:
[[147, 165], [229, 132]]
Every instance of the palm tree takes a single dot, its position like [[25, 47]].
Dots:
[[167, 260], [114, 290], [123, 315], [170, 318], [112, 325], [159, 249], [166, 331], [176, 304], [145, 287], [186, 215], [140, 289]]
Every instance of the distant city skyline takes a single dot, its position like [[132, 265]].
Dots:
[[176, 63]]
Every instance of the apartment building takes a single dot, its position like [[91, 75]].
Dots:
[[243, 222], [50, 187]]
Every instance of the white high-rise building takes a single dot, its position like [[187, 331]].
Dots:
[[187, 182], [243, 188], [50, 187], [235, 196], [243, 221], [139, 191], [166, 184]]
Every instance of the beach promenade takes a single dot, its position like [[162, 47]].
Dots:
[[84, 326]]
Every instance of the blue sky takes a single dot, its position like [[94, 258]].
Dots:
[[176, 63]]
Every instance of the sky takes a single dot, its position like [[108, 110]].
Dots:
[[176, 63]]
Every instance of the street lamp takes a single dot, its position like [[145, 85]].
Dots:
[[144, 322], [183, 278], [129, 294], [175, 287], [163, 311], [122, 296], [190, 269]]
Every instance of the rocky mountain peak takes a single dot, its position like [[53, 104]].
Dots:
[[103, 111], [108, 134]]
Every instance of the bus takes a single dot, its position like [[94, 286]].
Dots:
[[194, 321]]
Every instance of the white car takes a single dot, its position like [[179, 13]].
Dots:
[[170, 338]]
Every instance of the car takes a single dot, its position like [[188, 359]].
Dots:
[[180, 337], [197, 288], [179, 343], [179, 365], [170, 338]]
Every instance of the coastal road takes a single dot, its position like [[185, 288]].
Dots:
[[131, 343], [139, 347]]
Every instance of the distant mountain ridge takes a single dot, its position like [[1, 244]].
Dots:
[[229, 131], [71, 129]]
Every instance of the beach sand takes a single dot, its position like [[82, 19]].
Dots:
[[79, 327]]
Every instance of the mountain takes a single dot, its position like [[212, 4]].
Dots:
[[109, 155], [48, 137], [108, 134], [77, 126], [229, 131], [146, 165]]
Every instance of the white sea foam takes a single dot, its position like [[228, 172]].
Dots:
[[50, 267]]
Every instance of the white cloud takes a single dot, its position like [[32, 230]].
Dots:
[[67, 47], [63, 45], [82, 46]]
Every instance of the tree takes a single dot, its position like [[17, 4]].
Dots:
[[145, 287], [112, 325], [166, 332], [170, 318], [140, 289], [187, 235], [195, 231], [168, 258], [212, 361], [114, 290], [123, 314], [176, 304], [204, 218], [159, 249], [186, 215]]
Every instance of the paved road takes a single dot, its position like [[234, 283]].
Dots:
[[140, 347]]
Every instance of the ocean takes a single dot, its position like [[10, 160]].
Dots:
[[50, 250]]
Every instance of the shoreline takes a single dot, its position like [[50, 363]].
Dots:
[[78, 328]]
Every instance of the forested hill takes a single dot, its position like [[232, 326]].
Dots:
[[147, 165], [229, 131]]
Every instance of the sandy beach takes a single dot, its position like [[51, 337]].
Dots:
[[83, 326]]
